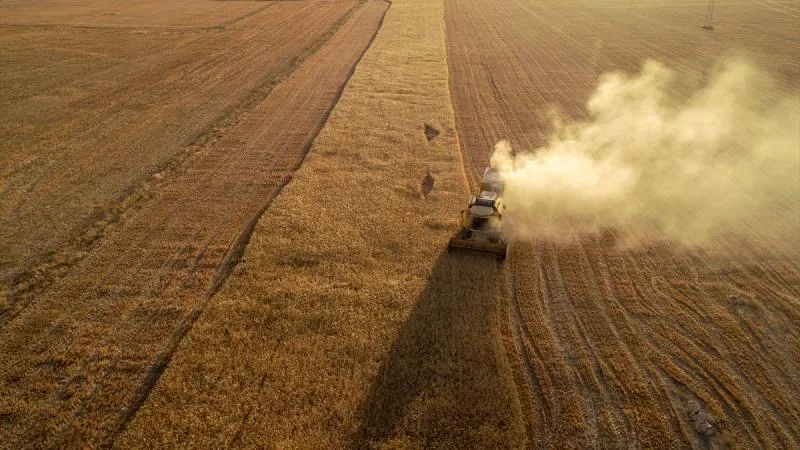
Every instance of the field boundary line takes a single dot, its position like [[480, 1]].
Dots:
[[235, 254]]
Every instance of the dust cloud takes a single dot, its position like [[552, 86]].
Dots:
[[725, 158]]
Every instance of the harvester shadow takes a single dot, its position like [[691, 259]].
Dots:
[[440, 381]]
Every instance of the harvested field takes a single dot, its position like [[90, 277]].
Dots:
[[613, 342], [92, 117], [147, 14], [80, 359]]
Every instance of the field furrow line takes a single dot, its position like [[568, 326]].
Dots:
[[779, 8]]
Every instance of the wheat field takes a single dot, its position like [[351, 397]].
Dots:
[[213, 231]]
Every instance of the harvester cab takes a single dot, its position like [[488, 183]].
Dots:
[[480, 221]]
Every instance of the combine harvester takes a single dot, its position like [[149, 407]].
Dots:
[[480, 221]]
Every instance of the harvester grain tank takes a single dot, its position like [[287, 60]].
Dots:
[[480, 221]]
